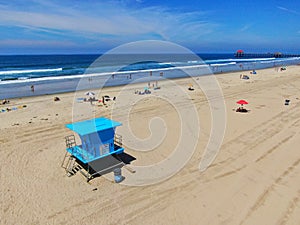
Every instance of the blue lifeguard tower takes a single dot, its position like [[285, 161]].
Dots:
[[98, 141]]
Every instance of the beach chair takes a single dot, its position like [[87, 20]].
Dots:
[[287, 102]]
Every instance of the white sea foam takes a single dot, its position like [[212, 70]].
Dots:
[[9, 72], [172, 71], [223, 64], [238, 60], [108, 74], [18, 86], [253, 59]]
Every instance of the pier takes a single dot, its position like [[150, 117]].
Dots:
[[242, 54]]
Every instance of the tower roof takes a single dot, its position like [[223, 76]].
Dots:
[[91, 126]]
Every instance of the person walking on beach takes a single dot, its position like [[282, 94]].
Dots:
[[32, 88]]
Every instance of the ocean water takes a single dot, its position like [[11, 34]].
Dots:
[[61, 73]]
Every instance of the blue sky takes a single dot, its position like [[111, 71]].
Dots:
[[90, 26]]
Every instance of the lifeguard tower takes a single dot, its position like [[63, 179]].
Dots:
[[98, 142]]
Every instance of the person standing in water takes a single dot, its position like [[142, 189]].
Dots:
[[32, 88]]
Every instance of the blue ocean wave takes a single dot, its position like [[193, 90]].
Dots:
[[11, 72], [66, 71]]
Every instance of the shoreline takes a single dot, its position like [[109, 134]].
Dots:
[[88, 82]]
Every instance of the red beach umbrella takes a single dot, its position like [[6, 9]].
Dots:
[[242, 102]]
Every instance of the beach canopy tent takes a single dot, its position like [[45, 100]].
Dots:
[[241, 109], [242, 102], [89, 93], [98, 139]]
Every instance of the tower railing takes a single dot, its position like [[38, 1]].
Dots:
[[69, 162], [118, 140]]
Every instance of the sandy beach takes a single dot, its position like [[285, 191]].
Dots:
[[253, 180]]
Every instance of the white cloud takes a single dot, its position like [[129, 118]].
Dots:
[[288, 10], [107, 19], [282, 8], [116, 25], [35, 43], [246, 27]]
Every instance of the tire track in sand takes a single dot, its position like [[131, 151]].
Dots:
[[263, 197], [290, 210], [270, 151], [268, 129]]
